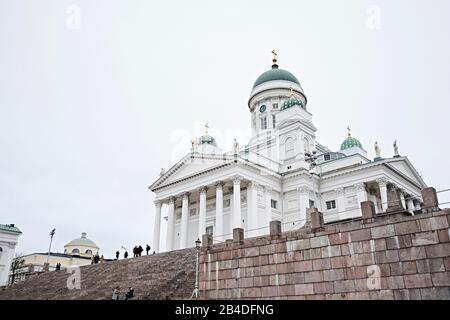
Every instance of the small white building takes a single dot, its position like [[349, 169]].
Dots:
[[78, 252], [277, 175], [9, 235]]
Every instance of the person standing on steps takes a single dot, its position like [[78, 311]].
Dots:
[[135, 251], [140, 249], [125, 255], [147, 248], [117, 254], [116, 293], [130, 294]]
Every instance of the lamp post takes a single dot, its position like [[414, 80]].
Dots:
[[196, 292], [52, 233]]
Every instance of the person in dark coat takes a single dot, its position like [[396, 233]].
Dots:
[[125, 255], [135, 251], [117, 255], [147, 248], [130, 294], [140, 249]]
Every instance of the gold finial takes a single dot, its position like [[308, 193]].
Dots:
[[348, 129], [274, 60], [206, 129]]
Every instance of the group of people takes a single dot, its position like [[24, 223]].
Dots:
[[137, 252], [128, 296], [96, 259], [58, 266]]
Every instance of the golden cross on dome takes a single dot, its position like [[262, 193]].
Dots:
[[348, 129], [206, 128], [274, 60]]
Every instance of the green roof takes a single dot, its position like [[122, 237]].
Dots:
[[350, 142], [10, 228], [275, 74], [293, 101], [83, 241], [207, 139]]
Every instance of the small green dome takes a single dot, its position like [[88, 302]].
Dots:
[[275, 74], [293, 101], [350, 142], [83, 241], [207, 139]]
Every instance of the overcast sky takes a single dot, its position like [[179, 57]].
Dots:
[[97, 96]]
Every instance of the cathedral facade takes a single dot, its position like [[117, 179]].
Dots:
[[277, 175]]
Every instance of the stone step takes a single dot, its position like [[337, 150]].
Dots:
[[166, 275]]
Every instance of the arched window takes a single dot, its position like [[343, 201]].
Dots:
[[289, 148], [1, 251], [88, 252], [75, 251]]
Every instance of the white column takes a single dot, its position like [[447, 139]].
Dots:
[[252, 217], [268, 213], [219, 211], [184, 221], [410, 205], [382, 183], [157, 226], [340, 197], [303, 203], [170, 224], [237, 217], [361, 194], [402, 198], [202, 213]]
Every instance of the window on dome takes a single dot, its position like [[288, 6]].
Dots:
[[75, 251], [289, 149], [263, 123], [88, 252]]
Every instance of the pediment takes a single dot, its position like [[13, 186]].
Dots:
[[190, 166], [403, 166]]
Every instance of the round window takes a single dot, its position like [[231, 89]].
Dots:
[[263, 108]]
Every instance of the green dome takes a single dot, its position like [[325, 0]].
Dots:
[[350, 142], [293, 101], [207, 139], [83, 241], [275, 74]]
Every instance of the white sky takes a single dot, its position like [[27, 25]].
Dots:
[[88, 116]]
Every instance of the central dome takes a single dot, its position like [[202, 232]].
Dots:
[[275, 74]]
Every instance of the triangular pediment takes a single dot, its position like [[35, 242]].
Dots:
[[189, 166], [403, 166]]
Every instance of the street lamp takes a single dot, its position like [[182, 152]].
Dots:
[[196, 292], [52, 233]]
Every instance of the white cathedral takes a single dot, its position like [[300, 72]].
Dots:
[[280, 173]]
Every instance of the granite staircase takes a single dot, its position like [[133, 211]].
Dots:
[[169, 275]]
